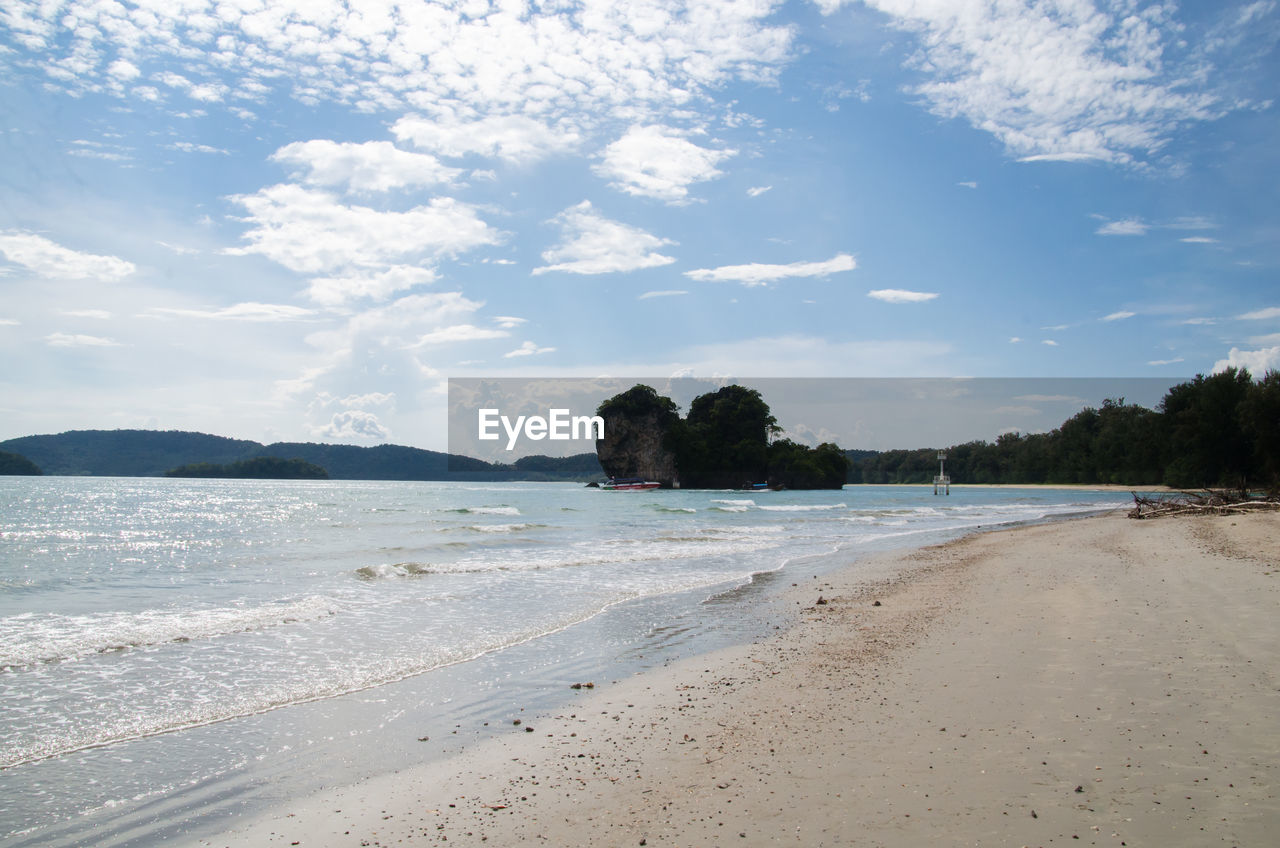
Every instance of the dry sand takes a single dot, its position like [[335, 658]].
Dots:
[[1098, 682]]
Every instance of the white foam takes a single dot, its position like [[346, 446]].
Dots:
[[802, 507], [488, 510], [499, 528], [399, 569], [29, 639]]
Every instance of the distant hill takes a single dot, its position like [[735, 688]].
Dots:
[[150, 453], [17, 464], [126, 453], [258, 468]]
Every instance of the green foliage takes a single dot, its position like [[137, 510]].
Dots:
[[1221, 430], [796, 466], [1205, 431], [257, 468], [1260, 419], [725, 441], [637, 402], [17, 465]]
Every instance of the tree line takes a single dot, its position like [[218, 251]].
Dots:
[[728, 440], [1221, 430]]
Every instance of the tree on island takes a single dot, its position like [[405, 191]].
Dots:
[[15, 464], [257, 468], [724, 442]]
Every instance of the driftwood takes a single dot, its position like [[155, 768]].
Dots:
[[1207, 502]]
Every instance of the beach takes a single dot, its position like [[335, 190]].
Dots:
[[1103, 680]]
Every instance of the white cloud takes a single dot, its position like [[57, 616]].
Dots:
[[1126, 227], [1118, 316], [1049, 342], [191, 147], [367, 400], [517, 138], [178, 249], [458, 333], [376, 285], [528, 349], [1058, 80], [593, 244], [268, 312], [759, 274], [123, 70], [968, 184], [1258, 362], [310, 231], [1262, 314], [606, 60], [53, 261], [1015, 339], [1198, 240], [664, 293], [377, 340], [756, 191], [96, 314], [901, 295], [1159, 362], [371, 166], [658, 162], [77, 340], [509, 322], [354, 425]]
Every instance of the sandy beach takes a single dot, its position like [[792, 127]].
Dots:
[[1101, 681]]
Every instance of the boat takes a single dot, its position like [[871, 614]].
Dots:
[[629, 484]]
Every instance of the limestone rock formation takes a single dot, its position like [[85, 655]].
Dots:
[[636, 424]]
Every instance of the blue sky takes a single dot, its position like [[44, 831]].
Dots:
[[297, 220]]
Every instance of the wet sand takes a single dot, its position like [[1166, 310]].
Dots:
[[1099, 682]]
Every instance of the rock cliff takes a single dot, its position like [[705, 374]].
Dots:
[[633, 447], [636, 425]]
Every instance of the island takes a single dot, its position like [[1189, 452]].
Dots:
[[258, 468], [729, 440]]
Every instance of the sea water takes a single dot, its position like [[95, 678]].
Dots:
[[175, 652]]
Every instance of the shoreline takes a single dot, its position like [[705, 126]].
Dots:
[[1099, 678]]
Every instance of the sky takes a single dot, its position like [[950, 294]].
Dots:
[[298, 220]]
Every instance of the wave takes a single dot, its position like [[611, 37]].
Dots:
[[729, 508], [497, 528], [709, 542], [660, 508], [31, 639], [802, 507], [734, 501], [399, 569], [485, 510]]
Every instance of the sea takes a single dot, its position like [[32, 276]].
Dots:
[[176, 655]]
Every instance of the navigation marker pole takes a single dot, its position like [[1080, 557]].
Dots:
[[942, 479]]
